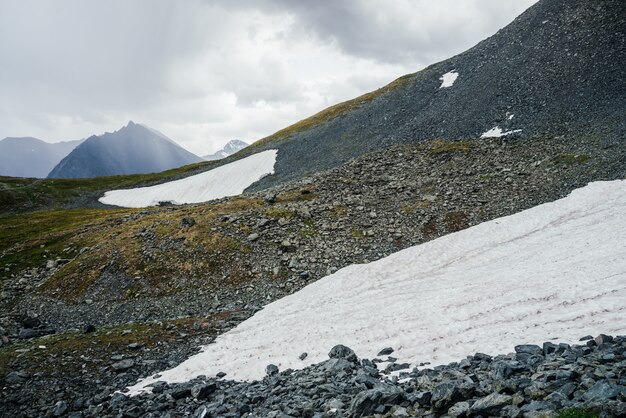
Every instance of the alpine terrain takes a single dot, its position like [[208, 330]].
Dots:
[[449, 245], [133, 149]]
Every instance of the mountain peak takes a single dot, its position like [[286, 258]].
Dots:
[[135, 148], [230, 148]]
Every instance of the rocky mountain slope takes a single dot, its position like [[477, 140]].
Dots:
[[32, 157], [131, 150], [581, 380], [230, 148], [556, 70], [93, 299]]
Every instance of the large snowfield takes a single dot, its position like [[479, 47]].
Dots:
[[553, 272], [227, 180]]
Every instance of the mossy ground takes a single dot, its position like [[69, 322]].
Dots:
[[77, 350], [155, 253], [28, 240], [28, 194]]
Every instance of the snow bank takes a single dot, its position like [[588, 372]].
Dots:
[[497, 132], [227, 180], [556, 271], [448, 79]]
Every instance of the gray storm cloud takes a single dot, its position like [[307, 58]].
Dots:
[[205, 72]]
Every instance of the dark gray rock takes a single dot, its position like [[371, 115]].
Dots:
[[60, 409], [491, 404], [530, 349], [187, 222], [123, 364], [380, 400], [602, 391], [445, 395], [385, 351], [271, 370], [181, 393], [341, 351], [202, 391]]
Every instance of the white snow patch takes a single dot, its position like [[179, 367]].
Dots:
[[227, 180], [497, 132], [556, 271], [448, 79], [510, 116]]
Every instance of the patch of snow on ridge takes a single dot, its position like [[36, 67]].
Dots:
[[556, 271], [497, 132], [227, 180], [448, 79]]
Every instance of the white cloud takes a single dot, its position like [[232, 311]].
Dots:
[[205, 72]]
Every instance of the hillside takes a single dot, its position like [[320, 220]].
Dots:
[[556, 70], [200, 270], [470, 212], [134, 149], [31, 157]]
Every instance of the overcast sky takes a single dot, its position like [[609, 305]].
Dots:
[[207, 71]]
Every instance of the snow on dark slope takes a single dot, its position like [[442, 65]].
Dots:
[[226, 180], [133, 149], [31, 157], [229, 149], [556, 271], [558, 69]]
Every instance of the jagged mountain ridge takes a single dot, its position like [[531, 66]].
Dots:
[[556, 70], [133, 149], [230, 148], [32, 157]]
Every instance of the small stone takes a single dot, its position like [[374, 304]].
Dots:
[[341, 351], [60, 408], [271, 369], [187, 222], [123, 365], [531, 349], [303, 356], [603, 339], [253, 237], [336, 365], [220, 375], [26, 333], [491, 404], [135, 346], [31, 322], [602, 391], [459, 409], [445, 395], [393, 367], [181, 393], [203, 391], [378, 400], [385, 351], [549, 348], [270, 198]]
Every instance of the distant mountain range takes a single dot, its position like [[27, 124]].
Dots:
[[229, 149], [32, 157], [131, 150]]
